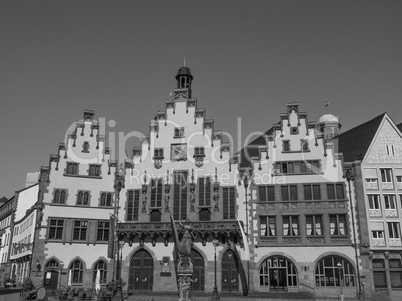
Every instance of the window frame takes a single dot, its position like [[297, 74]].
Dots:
[[268, 221], [72, 168], [94, 170], [102, 231], [386, 175], [178, 132], [314, 224], [82, 234], [290, 223], [58, 229], [83, 198]]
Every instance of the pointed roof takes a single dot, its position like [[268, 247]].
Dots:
[[353, 144]]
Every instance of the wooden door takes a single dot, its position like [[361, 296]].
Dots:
[[141, 272], [198, 271], [230, 273]]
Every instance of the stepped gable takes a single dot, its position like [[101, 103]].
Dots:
[[353, 144]]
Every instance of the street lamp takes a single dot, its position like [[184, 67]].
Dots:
[[215, 295], [339, 266]]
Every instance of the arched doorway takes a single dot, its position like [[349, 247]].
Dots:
[[198, 271], [51, 275], [230, 273], [278, 273], [141, 273]]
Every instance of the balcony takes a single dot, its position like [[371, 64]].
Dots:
[[391, 213], [378, 242], [394, 242], [387, 185], [286, 206], [372, 185], [375, 213], [155, 231]]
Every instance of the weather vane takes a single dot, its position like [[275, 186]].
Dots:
[[325, 106]]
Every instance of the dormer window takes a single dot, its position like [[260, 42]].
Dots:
[[85, 147], [179, 132]]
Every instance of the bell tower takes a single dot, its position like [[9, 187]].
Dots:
[[184, 79]]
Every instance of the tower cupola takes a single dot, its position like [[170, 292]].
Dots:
[[184, 78]]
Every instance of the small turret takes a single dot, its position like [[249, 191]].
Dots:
[[328, 126]]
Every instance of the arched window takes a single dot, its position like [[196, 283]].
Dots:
[[278, 273], [102, 267], [334, 271], [52, 264], [77, 271], [106, 199]]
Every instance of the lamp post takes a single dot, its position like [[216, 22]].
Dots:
[[349, 178], [215, 294], [248, 262], [339, 266]]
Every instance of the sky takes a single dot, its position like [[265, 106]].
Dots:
[[248, 58]]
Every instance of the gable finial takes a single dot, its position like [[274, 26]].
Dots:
[[184, 63]]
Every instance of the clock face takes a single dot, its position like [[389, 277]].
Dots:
[[178, 152]]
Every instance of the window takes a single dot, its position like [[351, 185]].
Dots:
[[393, 230], [80, 230], [286, 146], [377, 234], [83, 198], [304, 145], [267, 226], [314, 225], [312, 192], [103, 231], [56, 229], [72, 169], [180, 195], [386, 175], [290, 225], [204, 191], [155, 216], [59, 196], [335, 192], [229, 203], [298, 167], [289, 193], [327, 272], [106, 199], [94, 170], [399, 179], [199, 152], [102, 267], [389, 201], [179, 132], [158, 153], [205, 215], [85, 147], [337, 224], [133, 200], [156, 193], [287, 272], [374, 201], [395, 269], [390, 150], [266, 193], [77, 272]]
